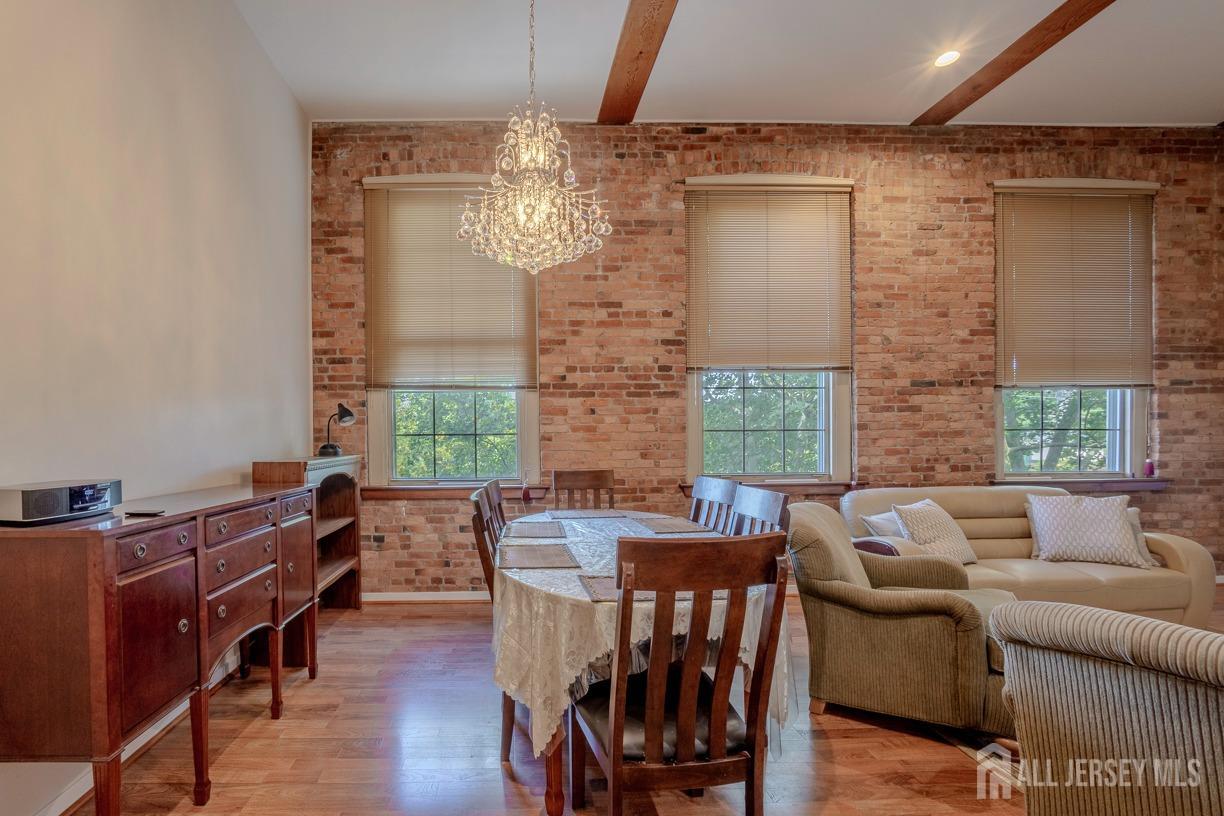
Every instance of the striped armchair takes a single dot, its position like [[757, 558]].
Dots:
[[1089, 685]]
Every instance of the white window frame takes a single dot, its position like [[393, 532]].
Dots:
[[380, 441], [1132, 414], [838, 435]]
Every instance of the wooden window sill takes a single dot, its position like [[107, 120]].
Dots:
[[797, 487], [443, 491], [1093, 485]]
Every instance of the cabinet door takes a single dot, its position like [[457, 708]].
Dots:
[[158, 638], [297, 565]]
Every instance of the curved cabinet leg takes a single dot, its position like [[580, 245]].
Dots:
[[199, 746], [274, 666], [244, 658], [106, 776]]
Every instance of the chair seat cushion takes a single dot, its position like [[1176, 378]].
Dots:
[[594, 710], [1108, 586]]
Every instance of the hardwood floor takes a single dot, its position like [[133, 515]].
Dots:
[[404, 718]]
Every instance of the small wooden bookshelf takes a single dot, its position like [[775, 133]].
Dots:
[[337, 520]]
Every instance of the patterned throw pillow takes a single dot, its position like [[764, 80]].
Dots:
[[884, 524], [1082, 528], [929, 526]]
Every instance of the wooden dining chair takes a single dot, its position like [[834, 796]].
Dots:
[[487, 534], [583, 488], [758, 511], [672, 726], [494, 492], [712, 500]]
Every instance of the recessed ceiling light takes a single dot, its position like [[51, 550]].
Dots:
[[946, 58]]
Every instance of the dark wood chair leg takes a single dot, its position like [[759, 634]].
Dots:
[[578, 751], [107, 782], [244, 658], [507, 726], [199, 746], [754, 788], [274, 666], [312, 641]]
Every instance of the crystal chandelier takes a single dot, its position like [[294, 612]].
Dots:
[[531, 216]]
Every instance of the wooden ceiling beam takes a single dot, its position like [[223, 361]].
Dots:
[[1032, 44], [641, 36]]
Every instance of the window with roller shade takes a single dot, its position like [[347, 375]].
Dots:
[[1074, 328], [451, 343], [769, 330]]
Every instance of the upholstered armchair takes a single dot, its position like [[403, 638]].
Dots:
[[899, 636], [1090, 685]]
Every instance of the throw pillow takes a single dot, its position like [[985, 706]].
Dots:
[[929, 526], [884, 524], [1132, 515], [1082, 528]]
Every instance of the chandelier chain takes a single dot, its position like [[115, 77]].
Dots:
[[531, 55]]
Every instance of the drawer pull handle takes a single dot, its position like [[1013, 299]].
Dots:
[[223, 527], [221, 566], [289, 567], [268, 514], [140, 550], [268, 585], [267, 546], [183, 626], [221, 611], [183, 538]]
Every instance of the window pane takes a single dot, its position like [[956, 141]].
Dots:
[[763, 409], [1061, 408], [803, 451], [805, 379], [722, 379], [413, 412], [496, 456], [496, 412], [722, 409], [1023, 451], [414, 457], [1060, 451], [724, 452], [803, 409], [1094, 408], [456, 456], [454, 412], [763, 452], [1093, 458], [762, 379], [1022, 409]]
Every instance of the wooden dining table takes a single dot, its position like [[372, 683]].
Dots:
[[554, 620]]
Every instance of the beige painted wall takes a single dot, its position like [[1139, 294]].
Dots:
[[154, 277]]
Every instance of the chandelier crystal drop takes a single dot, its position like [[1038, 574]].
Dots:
[[531, 215]]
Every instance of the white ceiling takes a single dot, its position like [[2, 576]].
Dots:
[[867, 61]]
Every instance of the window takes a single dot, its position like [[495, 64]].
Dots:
[[1074, 347], [768, 326], [450, 343]]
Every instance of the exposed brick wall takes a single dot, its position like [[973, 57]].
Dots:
[[612, 327]]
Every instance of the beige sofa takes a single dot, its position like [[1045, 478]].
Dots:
[[1182, 590]]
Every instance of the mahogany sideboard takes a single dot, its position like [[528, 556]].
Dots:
[[108, 623]]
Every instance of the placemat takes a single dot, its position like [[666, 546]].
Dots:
[[602, 589], [535, 529], [590, 513], [672, 525], [535, 556]]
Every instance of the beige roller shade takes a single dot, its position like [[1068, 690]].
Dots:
[[437, 315], [768, 278], [1074, 289]]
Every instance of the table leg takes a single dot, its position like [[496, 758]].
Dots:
[[274, 666], [106, 776], [554, 759], [312, 640], [199, 746]]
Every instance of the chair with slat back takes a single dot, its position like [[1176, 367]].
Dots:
[[712, 500], [487, 533], [493, 490], [758, 511], [672, 726], [583, 488]]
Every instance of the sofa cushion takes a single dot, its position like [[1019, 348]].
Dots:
[[1109, 586], [967, 502], [929, 526], [1083, 528]]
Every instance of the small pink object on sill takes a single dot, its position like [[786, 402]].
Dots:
[[1149, 468]]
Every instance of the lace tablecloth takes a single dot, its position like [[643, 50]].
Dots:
[[551, 641]]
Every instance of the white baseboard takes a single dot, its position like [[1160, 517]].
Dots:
[[426, 597]]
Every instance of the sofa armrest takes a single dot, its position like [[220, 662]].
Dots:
[[887, 545], [1189, 557], [899, 603], [917, 571]]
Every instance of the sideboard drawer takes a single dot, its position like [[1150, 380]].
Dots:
[[229, 606], [295, 504], [147, 548], [225, 526], [230, 561]]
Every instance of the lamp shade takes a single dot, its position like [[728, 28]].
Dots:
[[344, 416]]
